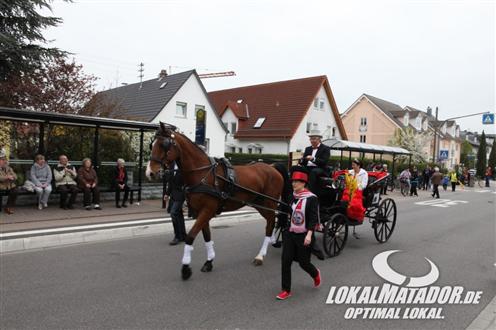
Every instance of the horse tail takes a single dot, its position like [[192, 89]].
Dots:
[[285, 193]]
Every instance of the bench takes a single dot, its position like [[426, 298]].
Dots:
[[103, 189]]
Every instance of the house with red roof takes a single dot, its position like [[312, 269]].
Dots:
[[275, 118]]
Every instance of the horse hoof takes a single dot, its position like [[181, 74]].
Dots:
[[258, 262], [207, 266], [186, 272]]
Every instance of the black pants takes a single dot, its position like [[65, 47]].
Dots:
[[315, 173], [413, 189], [293, 249], [118, 194], [453, 186], [12, 197], [178, 219], [435, 190], [64, 190], [88, 192]]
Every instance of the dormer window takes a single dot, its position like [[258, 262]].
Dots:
[[418, 122], [259, 122], [405, 120]]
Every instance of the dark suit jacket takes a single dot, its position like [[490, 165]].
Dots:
[[321, 157], [175, 185]]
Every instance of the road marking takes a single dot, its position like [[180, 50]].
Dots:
[[482, 191], [441, 202]]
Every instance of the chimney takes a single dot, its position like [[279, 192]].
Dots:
[[162, 74], [429, 111]]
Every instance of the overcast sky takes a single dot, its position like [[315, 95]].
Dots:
[[417, 53]]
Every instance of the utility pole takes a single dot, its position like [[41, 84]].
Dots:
[[435, 139], [141, 75]]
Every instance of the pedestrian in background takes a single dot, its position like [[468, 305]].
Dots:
[[414, 182], [88, 182], [65, 182], [41, 177], [436, 179], [176, 194], [7, 183], [488, 175], [120, 183], [453, 179]]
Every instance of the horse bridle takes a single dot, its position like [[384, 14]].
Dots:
[[166, 145], [167, 142]]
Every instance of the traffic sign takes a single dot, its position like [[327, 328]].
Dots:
[[443, 154], [488, 118]]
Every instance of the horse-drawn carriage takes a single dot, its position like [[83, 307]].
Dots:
[[380, 212]]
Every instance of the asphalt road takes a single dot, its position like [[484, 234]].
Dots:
[[136, 283]]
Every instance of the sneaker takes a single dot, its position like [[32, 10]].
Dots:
[[40, 206], [317, 280], [97, 207], [45, 205], [283, 295]]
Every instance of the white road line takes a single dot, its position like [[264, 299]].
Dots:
[[98, 226]]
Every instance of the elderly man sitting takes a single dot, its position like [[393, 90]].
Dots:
[[315, 159]]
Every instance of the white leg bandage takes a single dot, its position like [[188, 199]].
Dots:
[[263, 250], [187, 254], [210, 250]]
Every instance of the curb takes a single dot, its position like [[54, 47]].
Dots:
[[486, 319], [55, 237]]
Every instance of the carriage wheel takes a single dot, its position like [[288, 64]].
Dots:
[[385, 220], [335, 234], [278, 235]]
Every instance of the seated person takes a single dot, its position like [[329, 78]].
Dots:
[[65, 182], [41, 177], [315, 159], [120, 183], [88, 182], [7, 182], [359, 174]]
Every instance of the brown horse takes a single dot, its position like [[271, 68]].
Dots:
[[199, 170]]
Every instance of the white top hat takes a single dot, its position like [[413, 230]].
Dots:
[[315, 132]]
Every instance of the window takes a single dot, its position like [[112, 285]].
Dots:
[[315, 126], [233, 128], [259, 150], [233, 150], [240, 150], [363, 121], [321, 105], [328, 131], [363, 139], [309, 127], [163, 85], [405, 120], [181, 109], [316, 102], [425, 124], [250, 150], [334, 131], [259, 122], [418, 122], [227, 127]]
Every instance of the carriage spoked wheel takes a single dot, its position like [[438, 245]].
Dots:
[[385, 220], [335, 234]]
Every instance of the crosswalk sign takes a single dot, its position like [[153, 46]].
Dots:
[[488, 118], [443, 154]]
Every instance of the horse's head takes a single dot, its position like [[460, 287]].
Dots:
[[164, 149]]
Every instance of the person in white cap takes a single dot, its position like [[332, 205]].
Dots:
[[315, 158]]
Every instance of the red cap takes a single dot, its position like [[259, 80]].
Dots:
[[300, 176]]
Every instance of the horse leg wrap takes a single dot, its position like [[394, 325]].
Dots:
[[210, 250], [265, 244], [187, 254]]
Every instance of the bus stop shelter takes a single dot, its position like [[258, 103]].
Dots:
[[43, 119]]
